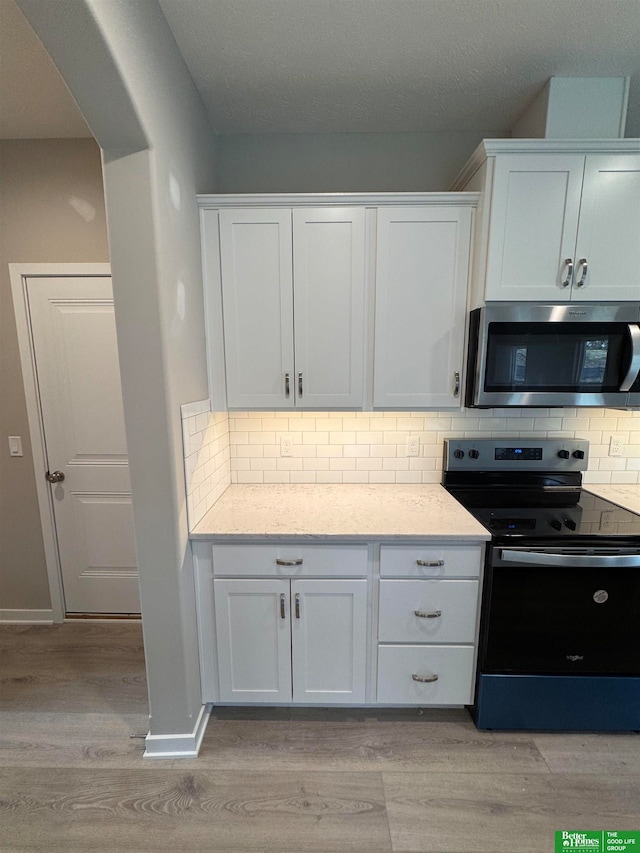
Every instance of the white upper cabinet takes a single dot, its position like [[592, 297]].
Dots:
[[535, 207], [609, 230], [421, 287], [559, 221], [293, 303], [257, 304], [329, 302]]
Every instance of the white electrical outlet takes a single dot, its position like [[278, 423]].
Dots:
[[615, 445], [413, 445], [286, 446]]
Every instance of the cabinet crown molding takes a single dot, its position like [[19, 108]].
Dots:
[[214, 201], [492, 147]]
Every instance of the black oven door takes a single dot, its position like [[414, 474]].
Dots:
[[562, 611]]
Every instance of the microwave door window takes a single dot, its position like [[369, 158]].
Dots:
[[530, 357]]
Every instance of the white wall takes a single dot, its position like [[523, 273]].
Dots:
[[122, 65], [344, 162], [51, 211]]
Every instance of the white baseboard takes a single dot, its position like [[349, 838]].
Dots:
[[179, 746], [35, 617]]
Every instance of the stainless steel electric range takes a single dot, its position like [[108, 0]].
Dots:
[[559, 645]]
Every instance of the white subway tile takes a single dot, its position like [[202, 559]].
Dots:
[[249, 450], [355, 477], [398, 464], [262, 438], [276, 477], [302, 425], [238, 464], [369, 437], [382, 476], [302, 477], [342, 437], [288, 463], [369, 464], [327, 450], [315, 464], [382, 424], [329, 477], [342, 465], [328, 424], [250, 476], [388, 451], [315, 438], [356, 450], [263, 464], [408, 476]]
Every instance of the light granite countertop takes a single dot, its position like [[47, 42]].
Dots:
[[345, 512], [625, 496]]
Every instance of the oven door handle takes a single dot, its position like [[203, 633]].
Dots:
[[545, 558], [634, 367]]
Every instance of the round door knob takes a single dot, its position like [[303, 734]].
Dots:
[[56, 477], [563, 454], [459, 454], [473, 454], [578, 454]]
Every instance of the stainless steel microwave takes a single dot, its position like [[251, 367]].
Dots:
[[578, 354]]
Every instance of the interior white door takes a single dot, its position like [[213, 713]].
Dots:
[[329, 639], [76, 354]]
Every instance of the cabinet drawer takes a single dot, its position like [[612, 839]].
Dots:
[[453, 666], [289, 560], [430, 561], [448, 609]]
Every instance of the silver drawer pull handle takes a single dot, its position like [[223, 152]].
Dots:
[[297, 605], [585, 269], [288, 562], [424, 678], [456, 384], [569, 265], [430, 563], [282, 601], [287, 389], [428, 614]]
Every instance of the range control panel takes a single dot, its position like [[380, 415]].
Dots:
[[509, 454]]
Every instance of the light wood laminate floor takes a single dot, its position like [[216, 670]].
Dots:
[[73, 779]]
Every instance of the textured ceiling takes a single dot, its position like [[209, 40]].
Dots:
[[303, 66], [34, 100]]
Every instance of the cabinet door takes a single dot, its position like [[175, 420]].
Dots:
[[328, 265], [257, 307], [421, 286], [329, 630], [609, 230], [535, 206], [253, 631]]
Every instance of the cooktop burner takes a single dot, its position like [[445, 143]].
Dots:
[[532, 488], [550, 514]]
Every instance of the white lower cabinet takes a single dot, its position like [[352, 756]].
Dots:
[[282, 640], [301, 623], [425, 675], [427, 627]]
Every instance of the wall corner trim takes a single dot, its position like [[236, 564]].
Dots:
[[179, 746]]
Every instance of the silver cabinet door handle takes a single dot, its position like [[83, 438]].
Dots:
[[430, 563], [456, 384], [297, 605], [585, 269], [287, 389], [428, 614], [56, 477], [569, 265], [282, 603], [300, 385], [280, 562], [634, 367], [425, 679]]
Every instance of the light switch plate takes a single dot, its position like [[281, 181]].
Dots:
[[15, 445]]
